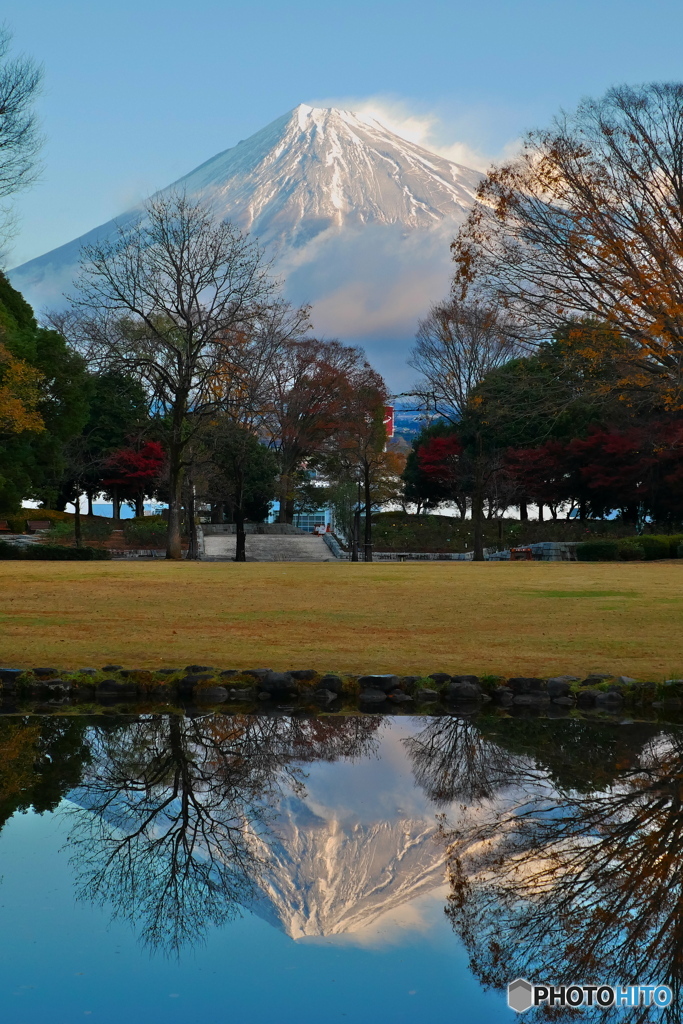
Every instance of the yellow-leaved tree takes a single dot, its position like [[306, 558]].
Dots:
[[20, 395]]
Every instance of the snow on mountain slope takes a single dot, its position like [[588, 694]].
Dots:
[[316, 169], [358, 221], [326, 876]]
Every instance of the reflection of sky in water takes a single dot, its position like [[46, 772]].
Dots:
[[63, 961], [375, 788]]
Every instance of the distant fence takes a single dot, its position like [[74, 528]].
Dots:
[[278, 529], [544, 551]]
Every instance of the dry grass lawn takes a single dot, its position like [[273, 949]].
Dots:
[[504, 618]]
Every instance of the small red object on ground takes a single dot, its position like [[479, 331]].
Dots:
[[521, 555]]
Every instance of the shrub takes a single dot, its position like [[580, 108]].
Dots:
[[597, 551], [91, 529], [147, 531], [17, 520], [51, 553], [654, 547], [675, 542], [630, 550]]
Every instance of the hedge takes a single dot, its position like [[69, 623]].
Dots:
[[655, 547], [91, 529], [148, 531], [17, 520], [646, 547], [630, 550], [51, 553], [597, 551]]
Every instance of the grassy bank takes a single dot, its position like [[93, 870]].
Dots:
[[530, 618], [397, 531]]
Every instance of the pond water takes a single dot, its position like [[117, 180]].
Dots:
[[363, 869]]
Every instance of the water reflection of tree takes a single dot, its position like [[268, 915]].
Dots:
[[171, 808], [452, 760], [41, 759], [579, 887]]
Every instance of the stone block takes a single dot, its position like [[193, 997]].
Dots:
[[333, 683], [557, 688], [385, 683], [372, 696], [462, 691], [526, 684], [277, 682], [215, 694]]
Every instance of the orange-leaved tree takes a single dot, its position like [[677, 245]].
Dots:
[[20, 395], [586, 224]]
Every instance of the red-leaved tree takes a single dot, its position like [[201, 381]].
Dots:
[[131, 473], [543, 474]]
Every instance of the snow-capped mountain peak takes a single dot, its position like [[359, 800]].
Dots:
[[357, 219], [316, 169]]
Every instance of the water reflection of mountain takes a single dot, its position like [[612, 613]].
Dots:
[[565, 837], [179, 824], [326, 876]]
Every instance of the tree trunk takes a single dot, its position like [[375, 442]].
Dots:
[[193, 546], [90, 511], [478, 525], [355, 534], [582, 510], [217, 513], [173, 541], [478, 506], [115, 504], [140, 503], [284, 488], [523, 511], [540, 513], [77, 520], [367, 539], [238, 515], [240, 536], [174, 547]]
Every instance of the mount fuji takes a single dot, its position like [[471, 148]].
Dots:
[[356, 219]]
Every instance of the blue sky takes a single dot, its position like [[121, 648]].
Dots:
[[139, 92]]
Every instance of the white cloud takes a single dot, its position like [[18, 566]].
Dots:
[[448, 137]]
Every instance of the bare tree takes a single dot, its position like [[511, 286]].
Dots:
[[457, 344], [245, 389], [307, 390], [20, 140], [173, 817], [360, 442], [158, 301], [451, 760], [547, 884], [588, 224]]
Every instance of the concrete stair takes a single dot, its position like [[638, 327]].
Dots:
[[264, 548]]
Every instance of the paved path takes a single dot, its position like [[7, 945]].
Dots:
[[269, 548]]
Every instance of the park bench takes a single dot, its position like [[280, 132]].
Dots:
[[38, 525], [4, 526]]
